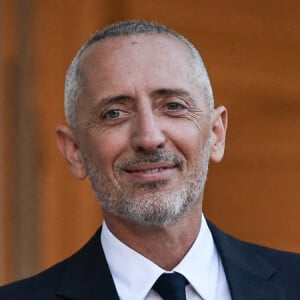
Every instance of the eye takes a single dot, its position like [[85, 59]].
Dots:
[[115, 116], [112, 114], [175, 106]]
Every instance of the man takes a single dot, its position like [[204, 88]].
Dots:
[[142, 126]]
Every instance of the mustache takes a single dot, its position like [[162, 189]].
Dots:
[[159, 155]]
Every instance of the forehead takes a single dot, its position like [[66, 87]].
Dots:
[[112, 47], [125, 55]]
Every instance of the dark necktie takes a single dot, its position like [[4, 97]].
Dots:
[[171, 286]]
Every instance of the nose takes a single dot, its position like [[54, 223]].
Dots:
[[147, 133]]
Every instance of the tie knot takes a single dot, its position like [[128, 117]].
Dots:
[[171, 286]]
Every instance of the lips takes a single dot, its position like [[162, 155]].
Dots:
[[149, 167], [150, 172]]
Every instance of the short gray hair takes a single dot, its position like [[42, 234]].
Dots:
[[73, 83]]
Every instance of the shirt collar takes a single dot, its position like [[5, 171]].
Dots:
[[134, 274], [200, 266]]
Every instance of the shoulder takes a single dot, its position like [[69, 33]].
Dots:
[[47, 284], [286, 263], [286, 266], [41, 286], [247, 260]]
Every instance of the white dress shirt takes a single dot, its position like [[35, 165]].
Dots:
[[134, 274]]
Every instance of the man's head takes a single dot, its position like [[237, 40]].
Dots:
[[143, 126]]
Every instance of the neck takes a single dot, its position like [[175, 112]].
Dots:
[[165, 246]]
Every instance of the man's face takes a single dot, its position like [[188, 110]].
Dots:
[[144, 128]]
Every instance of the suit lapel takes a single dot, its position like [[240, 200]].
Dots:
[[86, 275], [248, 274]]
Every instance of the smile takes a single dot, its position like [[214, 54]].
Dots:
[[151, 172], [150, 167]]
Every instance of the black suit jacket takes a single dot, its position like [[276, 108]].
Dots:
[[253, 273]]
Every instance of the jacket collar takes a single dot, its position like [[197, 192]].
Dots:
[[249, 275], [86, 274]]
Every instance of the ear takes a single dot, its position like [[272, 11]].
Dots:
[[218, 135], [68, 146]]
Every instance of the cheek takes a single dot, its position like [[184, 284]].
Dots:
[[106, 148], [190, 142]]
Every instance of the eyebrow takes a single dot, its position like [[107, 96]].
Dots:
[[110, 100], [173, 92]]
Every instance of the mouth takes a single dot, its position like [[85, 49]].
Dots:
[[150, 172], [150, 167]]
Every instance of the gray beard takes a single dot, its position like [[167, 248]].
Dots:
[[154, 206]]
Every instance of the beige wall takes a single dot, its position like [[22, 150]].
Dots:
[[252, 53]]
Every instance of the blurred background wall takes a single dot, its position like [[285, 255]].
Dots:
[[251, 49]]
